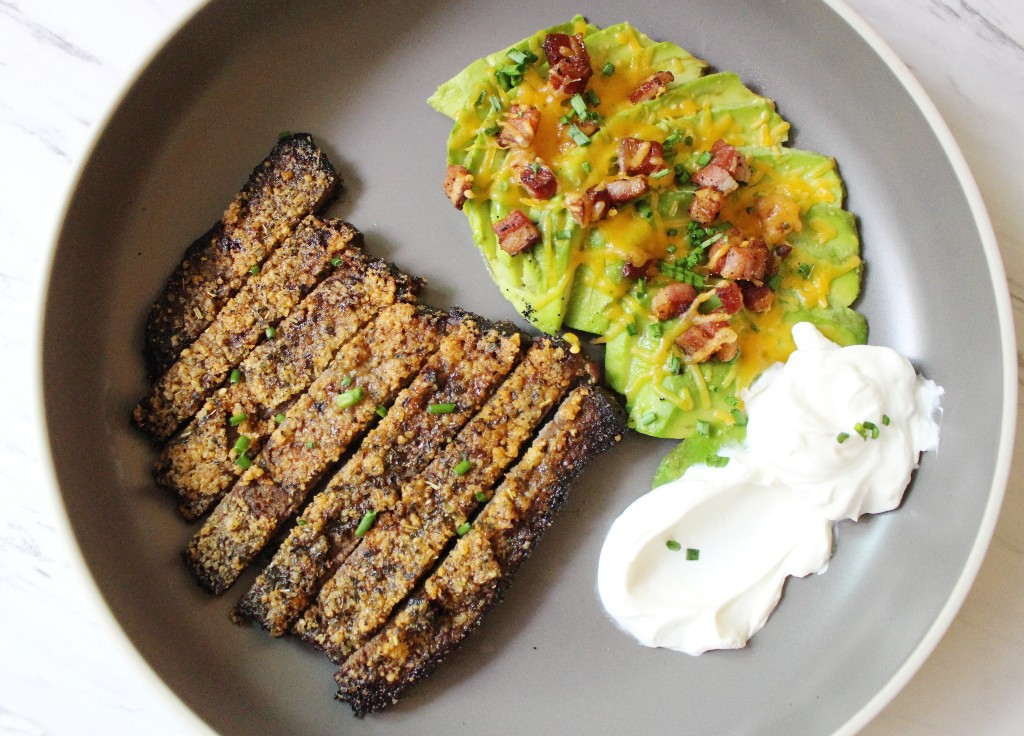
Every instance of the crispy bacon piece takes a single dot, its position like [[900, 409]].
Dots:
[[644, 270], [516, 233], [637, 156], [458, 182], [706, 339], [725, 170], [538, 180], [751, 262], [707, 203], [757, 297], [651, 87], [730, 296], [591, 206], [569, 61], [672, 300], [621, 191], [519, 127], [715, 177]]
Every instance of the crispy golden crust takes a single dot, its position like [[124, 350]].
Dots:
[[293, 181], [469, 364], [480, 567], [405, 543], [197, 465], [371, 369], [296, 267]]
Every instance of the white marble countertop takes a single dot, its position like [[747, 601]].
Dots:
[[63, 63]]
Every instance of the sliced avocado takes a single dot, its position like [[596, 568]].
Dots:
[[695, 451]]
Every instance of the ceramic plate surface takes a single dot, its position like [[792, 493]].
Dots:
[[548, 660]]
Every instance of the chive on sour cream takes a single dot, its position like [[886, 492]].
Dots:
[[832, 434]]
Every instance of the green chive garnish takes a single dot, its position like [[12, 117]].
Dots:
[[271, 332], [842, 437], [236, 376], [382, 411], [581, 138], [673, 545], [279, 418], [672, 232], [349, 398], [284, 134], [586, 167], [872, 428], [859, 429], [703, 428], [243, 461], [463, 529], [480, 496], [885, 419], [710, 304], [688, 140], [254, 269], [301, 521], [660, 173], [563, 234], [365, 523], [346, 381], [592, 98], [704, 159], [235, 419], [463, 467], [481, 97], [675, 364], [492, 129], [655, 330], [648, 418], [631, 329], [336, 262], [671, 140], [739, 417], [242, 444], [310, 444], [441, 408], [495, 103], [643, 208], [692, 554], [805, 269], [608, 69], [578, 104], [716, 461]]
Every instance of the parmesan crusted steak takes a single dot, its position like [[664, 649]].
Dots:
[[293, 181], [435, 506], [366, 374], [198, 465], [292, 270], [477, 572], [469, 364]]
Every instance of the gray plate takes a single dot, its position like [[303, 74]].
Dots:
[[548, 660]]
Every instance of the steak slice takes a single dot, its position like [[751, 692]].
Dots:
[[196, 465], [293, 181], [301, 262], [469, 364], [477, 572], [404, 544], [368, 372]]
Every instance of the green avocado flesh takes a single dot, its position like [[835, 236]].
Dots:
[[584, 277]]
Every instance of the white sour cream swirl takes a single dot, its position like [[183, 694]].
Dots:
[[768, 514]]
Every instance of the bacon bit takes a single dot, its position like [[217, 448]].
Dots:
[[715, 177], [621, 191], [779, 216], [651, 87], [706, 205], [519, 127], [516, 233], [728, 158], [750, 262], [703, 340], [539, 181], [591, 206], [672, 300], [644, 270], [569, 62], [637, 156], [458, 184], [731, 297], [757, 297], [782, 250]]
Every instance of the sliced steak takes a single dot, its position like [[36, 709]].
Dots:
[[469, 364], [302, 261], [293, 181], [477, 572], [406, 542], [196, 465], [368, 372]]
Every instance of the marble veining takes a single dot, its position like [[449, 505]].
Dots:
[[61, 65]]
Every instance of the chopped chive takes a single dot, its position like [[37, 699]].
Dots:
[[254, 269], [284, 134], [660, 173], [463, 529], [492, 129], [346, 381], [631, 329], [704, 159], [271, 332], [671, 140], [441, 408], [565, 120], [349, 398], [739, 417], [463, 467], [243, 461], [592, 98], [655, 330], [692, 554], [859, 429], [710, 304], [842, 437], [236, 376], [310, 444], [675, 364], [688, 140], [563, 234], [682, 175], [774, 282], [480, 98], [716, 461], [671, 248], [382, 411], [586, 167], [301, 521], [703, 428], [641, 287], [480, 496], [578, 104], [643, 208], [885, 419], [279, 418], [521, 57], [235, 419], [805, 269], [495, 103], [242, 444], [672, 232], [336, 262], [648, 418], [673, 545], [366, 523], [872, 428], [581, 138], [608, 69], [732, 401]]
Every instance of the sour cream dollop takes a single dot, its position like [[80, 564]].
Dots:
[[831, 434]]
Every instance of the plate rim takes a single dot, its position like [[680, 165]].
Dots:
[[996, 272]]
